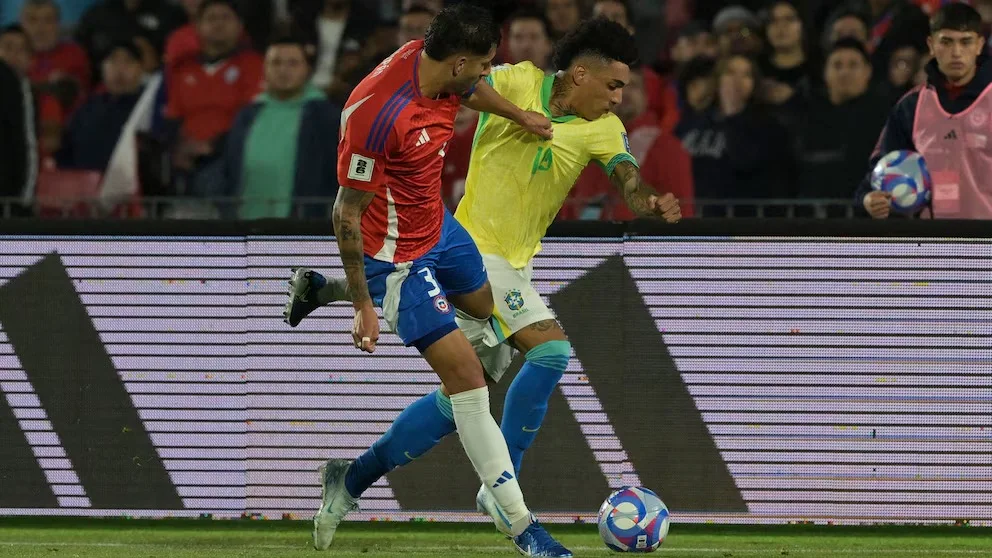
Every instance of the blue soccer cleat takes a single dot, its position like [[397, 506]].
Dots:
[[536, 541], [303, 288]]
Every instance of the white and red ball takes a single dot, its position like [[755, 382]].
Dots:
[[903, 174], [633, 519]]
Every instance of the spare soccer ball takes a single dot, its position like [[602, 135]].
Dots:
[[633, 519], [903, 174]]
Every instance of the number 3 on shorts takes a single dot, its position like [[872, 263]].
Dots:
[[429, 277]]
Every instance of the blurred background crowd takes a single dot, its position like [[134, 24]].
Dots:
[[231, 108]]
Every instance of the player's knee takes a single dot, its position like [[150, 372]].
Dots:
[[551, 354]]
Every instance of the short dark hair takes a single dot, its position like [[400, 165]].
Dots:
[[849, 43], [13, 29], [207, 4], [956, 17], [126, 44], [596, 37], [461, 28], [532, 14], [309, 51]]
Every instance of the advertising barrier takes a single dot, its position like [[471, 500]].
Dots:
[[743, 378]]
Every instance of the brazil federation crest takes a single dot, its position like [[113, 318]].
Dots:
[[514, 300]]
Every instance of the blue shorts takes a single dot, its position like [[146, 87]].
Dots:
[[413, 295]]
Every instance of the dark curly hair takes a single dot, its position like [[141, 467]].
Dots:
[[596, 37], [460, 29]]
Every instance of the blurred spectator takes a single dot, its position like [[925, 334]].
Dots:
[[614, 10], [60, 67], [530, 39], [904, 66], [105, 24], [206, 94], [413, 24], [564, 15], [95, 128], [333, 26], [459, 153], [15, 50], [738, 150], [840, 126], [662, 96], [846, 23], [893, 21], [432, 5], [786, 65], [737, 31], [72, 10], [665, 165], [697, 85], [18, 142], [693, 40], [285, 144]]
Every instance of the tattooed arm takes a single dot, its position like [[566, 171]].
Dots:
[[348, 210], [642, 199]]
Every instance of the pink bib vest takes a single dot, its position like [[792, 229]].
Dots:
[[958, 152]]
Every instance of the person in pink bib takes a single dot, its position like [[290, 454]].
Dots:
[[948, 120]]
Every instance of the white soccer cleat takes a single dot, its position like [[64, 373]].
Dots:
[[335, 502], [487, 504]]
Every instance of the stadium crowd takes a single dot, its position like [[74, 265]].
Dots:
[[225, 99]]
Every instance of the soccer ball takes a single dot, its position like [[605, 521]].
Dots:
[[633, 519], [903, 174]]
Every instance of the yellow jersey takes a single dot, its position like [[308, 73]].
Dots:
[[517, 181]]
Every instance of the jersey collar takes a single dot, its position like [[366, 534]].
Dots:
[[549, 82]]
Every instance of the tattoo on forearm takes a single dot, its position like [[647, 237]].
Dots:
[[348, 210], [627, 179]]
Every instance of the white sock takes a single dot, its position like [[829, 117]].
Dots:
[[486, 449]]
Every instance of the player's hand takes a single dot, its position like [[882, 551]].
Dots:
[[536, 123], [667, 207], [878, 204], [365, 332]]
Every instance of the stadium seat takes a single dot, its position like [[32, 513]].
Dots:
[[67, 193]]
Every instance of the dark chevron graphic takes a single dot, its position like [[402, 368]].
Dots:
[[22, 482], [649, 406], [80, 390]]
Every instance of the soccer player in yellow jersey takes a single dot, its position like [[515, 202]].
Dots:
[[515, 187]]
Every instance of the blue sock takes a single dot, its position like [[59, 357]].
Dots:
[[415, 431], [527, 399]]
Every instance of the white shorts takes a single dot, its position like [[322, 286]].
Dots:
[[516, 306]]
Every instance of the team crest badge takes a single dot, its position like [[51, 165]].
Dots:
[[441, 304], [514, 300]]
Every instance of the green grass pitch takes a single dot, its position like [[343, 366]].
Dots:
[[113, 538]]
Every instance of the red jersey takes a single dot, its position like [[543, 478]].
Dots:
[[393, 143], [207, 97]]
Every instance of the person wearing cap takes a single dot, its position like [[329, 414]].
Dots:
[[737, 31], [948, 121], [94, 129]]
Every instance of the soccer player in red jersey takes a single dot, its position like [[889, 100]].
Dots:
[[403, 251]]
